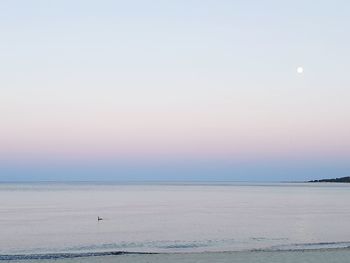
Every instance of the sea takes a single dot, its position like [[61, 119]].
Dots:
[[174, 222]]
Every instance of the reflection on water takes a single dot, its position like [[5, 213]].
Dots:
[[159, 217]]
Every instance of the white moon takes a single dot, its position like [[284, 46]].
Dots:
[[300, 70]]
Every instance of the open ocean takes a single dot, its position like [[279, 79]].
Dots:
[[178, 222]]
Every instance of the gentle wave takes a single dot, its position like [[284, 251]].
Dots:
[[309, 246], [321, 246], [67, 255], [156, 246]]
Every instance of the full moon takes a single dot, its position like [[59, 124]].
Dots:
[[300, 70]]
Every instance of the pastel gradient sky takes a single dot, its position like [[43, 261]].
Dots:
[[174, 90]]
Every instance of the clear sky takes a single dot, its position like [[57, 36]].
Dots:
[[174, 90]]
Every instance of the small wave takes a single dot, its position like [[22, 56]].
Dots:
[[146, 245], [173, 246], [67, 255], [183, 245], [309, 246]]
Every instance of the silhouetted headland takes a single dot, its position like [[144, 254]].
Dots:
[[334, 180]]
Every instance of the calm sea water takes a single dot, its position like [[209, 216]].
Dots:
[[47, 218]]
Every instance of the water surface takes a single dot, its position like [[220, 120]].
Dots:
[[192, 217]]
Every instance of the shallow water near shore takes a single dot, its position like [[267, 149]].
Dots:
[[192, 218], [315, 256]]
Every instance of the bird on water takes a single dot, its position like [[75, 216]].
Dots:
[[99, 218]]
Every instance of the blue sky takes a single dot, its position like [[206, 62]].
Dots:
[[174, 90]]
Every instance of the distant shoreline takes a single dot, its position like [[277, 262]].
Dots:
[[204, 182], [333, 180]]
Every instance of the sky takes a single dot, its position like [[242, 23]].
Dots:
[[174, 90]]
